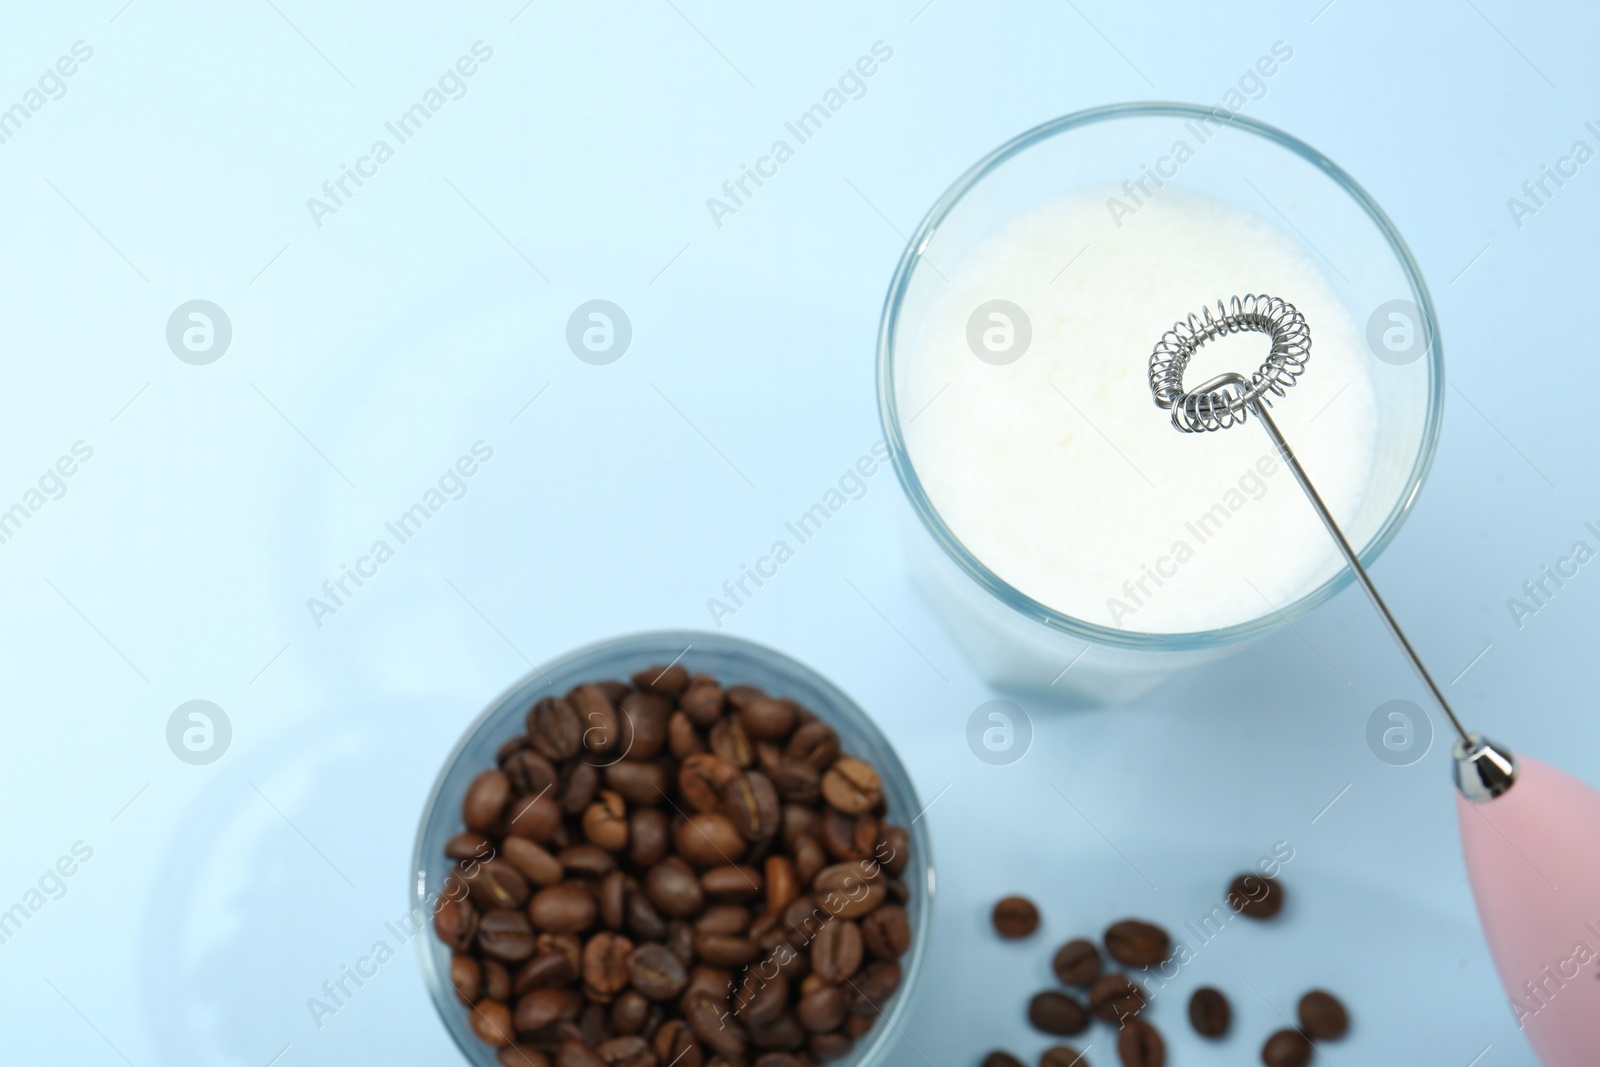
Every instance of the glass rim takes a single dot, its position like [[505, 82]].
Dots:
[[840, 705], [999, 588]]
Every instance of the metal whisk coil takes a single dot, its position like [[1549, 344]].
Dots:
[[1226, 400]]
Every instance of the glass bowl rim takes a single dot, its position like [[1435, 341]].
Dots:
[[1015, 599], [869, 1052]]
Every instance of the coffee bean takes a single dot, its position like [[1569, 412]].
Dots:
[[491, 1021], [782, 1059], [1057, 1056], [887, 932], [674, 1043], [1140, 1045], [521, 1056], [535, 817], [725, 950], [496, 980], [837, 951], [723, 919], [541, 1007], [543, 971], [784, 1032], [505, 935], [580, 781], [1077, 962], [649, 837], [639, 783], [577, 1054], [666, 679], [1057, 1013], [605, 822], [845, 891], [735, 881], [466, 978], [702, 778], [702, 704], [1323, 1017], [1286, 1048], [683, 740], [825, 1048], [751, 802], [758, 1001], [673, 888], [781, 884], [1255, 897], [852, 786], [809, 859], [563, 909], [496, 884], [874, 986], [713, 1024], [998, 1058], [766, 719], [529, 772], [642, 718], [587, 861], [628, 1051], [815, 743], [729, 739], [680, 942], [1015, 917], [485, 799], [1116, 998], [554, 730], [894, 850], [1209, 1012], [796, 782], [469, 846], [592, 1022], [709, 839], [605, 965], [1134, 943], [598, 717], [533, 862], [656, 973], [823, 1009]]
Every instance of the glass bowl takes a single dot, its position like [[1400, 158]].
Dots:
[[731, 661], [1018, 641]]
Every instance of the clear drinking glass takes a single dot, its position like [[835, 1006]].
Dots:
[[1015, 640], [732, 661]]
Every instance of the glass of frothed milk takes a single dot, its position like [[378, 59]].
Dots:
[[1069, 536]]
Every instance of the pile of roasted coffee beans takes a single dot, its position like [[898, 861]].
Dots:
[[1115, 998], [674, 874]]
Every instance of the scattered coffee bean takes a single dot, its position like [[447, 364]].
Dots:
[[1015, 917], [1057, 1013], [1134, 943], [1209, 1012], [1322, 1016], [1140, 1045], [1286, 1048], [670, 873], [1116, 998], [997, 1058], [1077, 962], [1061, 1056], [1255, 896]]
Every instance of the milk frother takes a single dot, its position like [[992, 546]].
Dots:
[[1530, 833]]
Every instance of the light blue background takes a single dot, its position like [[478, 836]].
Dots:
[[371, 352]]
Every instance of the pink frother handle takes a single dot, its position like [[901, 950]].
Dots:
[[1533, 856]]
